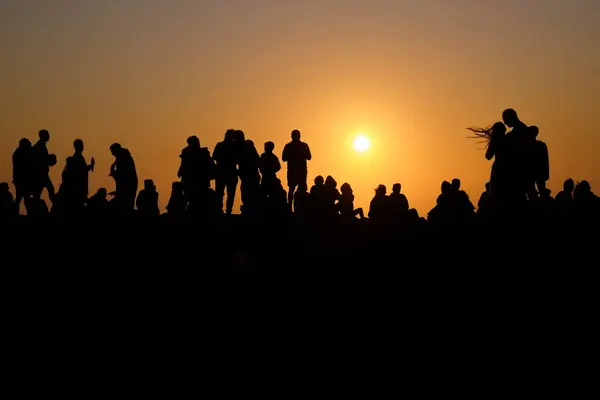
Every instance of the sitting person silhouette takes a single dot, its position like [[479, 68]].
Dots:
[[7, 202], [302, 201], [269, 167], [564, 198], [345, 203], [276, 205], [147, 200], [379, 206], [331, 194], [177, 202], [98, 203], [398, 202]]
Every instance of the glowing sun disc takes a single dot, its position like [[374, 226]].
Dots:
[[361, 143]]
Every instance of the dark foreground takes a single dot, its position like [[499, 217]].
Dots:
[[291, 247], [142, 298]]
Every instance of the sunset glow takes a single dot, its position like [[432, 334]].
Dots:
[[410, 76], [361, 143]]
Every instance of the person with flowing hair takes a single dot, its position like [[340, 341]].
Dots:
[[494, 137]]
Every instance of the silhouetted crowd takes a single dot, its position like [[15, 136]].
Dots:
[[517, 186]]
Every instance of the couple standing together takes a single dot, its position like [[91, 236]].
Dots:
[[521, 161]]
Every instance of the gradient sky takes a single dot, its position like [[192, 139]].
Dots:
[[412, 75]]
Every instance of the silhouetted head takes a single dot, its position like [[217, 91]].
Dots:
[[240, 136], [230, 135], [296, 134], [446, 187], [546, 193], [583, 187], [249, 145], [193, 141], [488, 185], [24, 144], [534, 130], [456, 184], [115, 148], [346, 188], [498, 129], [319, 180], [149, 184], [78, 145], [510, 118], [381, 190], [329, 181], [44, 136], [269, 147], [102, 193], [396, 188], [569, 186]]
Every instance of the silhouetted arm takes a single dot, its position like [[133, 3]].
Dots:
[[491, 151], [545, 162], [308, 155], [285, 155], [277, 165], [217, 153], [15, 163]]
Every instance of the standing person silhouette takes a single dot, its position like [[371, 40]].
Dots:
[[22, 171], [82, 169], [42, 161], [269, 167], [226, 157], [296, 153], [519, 145], [541, 161], [124, 173], [196, 169]]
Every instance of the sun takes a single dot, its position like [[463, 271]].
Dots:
[[361, 143]]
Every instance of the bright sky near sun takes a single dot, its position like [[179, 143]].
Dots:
[[411, 75], [361, 143]]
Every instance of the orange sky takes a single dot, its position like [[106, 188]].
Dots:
[[410, 75]]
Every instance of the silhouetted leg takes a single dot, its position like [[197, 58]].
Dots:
[[20, 194], [291, 191], [127, 196], [231, 188], [303, 186], [220, 185], [133, 195], [36, 189], [47, 184]]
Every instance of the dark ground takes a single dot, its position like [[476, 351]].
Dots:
[[144, 300]]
